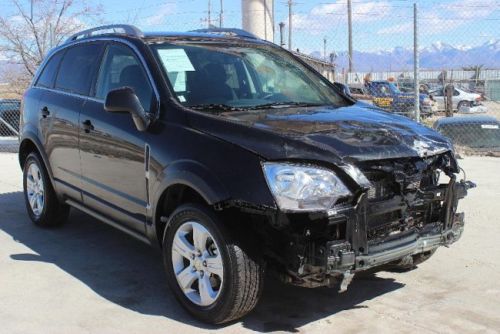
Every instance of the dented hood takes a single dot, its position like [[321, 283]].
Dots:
[[358, 132]]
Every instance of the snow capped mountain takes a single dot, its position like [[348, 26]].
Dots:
[[439, 55]]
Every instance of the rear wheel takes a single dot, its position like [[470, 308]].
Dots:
[[211, 276], [42, 204]]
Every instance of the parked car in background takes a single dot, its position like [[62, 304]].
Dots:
[[9, 117], [481, 133], [359, 93], [461, 98], [386, 95]]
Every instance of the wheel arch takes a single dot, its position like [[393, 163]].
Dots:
[[183, 182], [30, 143]]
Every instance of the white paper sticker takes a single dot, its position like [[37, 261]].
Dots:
[[175, 60], [489, 126]]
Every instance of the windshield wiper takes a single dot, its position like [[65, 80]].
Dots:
[[216, 107], [286, 104]]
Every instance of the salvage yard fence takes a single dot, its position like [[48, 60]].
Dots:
[[9, 125], [395, 54]]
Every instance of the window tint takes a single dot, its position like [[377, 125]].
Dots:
[[78, 68], [121, 68], [46, 79]]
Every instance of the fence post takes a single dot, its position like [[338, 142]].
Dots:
[[416, 63]]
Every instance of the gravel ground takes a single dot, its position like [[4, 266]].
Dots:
[[89, 278]]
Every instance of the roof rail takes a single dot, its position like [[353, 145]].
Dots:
[[234, 32], [125, 29]]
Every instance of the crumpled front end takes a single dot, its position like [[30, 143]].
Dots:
[[407, 211]]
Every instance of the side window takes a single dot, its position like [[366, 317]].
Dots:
[[46, 79], [78, 68], [121, 68], [456, 93]]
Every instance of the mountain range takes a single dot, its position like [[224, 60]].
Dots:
[[437, 56]]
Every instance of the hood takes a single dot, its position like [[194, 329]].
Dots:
[[353, 133]]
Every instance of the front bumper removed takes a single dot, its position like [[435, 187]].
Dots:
[[341, 262], [341, 259]]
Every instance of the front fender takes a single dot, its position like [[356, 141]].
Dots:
[[194, 175]]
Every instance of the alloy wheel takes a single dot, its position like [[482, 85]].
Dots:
[[197, 263], [35, 189]]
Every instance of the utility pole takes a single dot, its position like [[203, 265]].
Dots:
[[349, 24], [324, 48], [282, 38], [31, 11], [290, 3], [209, 14], [416, 63], [221, 14]]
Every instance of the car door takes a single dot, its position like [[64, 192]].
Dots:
[[438, 96], [60, 107], [112, 150]]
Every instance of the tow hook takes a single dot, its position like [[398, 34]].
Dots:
[[346, 280]]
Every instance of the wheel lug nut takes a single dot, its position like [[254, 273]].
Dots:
[[192, 256], [204, 263], [202, 273]]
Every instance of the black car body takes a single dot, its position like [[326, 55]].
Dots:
[[135, 172]]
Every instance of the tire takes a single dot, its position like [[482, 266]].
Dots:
[[462, 103], [237, 287], [48, 211]]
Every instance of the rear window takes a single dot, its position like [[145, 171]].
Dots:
[[78, 68], [49, 72]]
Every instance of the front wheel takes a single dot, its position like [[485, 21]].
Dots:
[[463, 104], [212, 277]]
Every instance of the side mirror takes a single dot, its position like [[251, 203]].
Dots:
[[124, 100]]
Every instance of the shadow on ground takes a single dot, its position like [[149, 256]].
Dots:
[[130, 274]]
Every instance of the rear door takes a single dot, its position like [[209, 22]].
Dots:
[[112, 150], [60, 107]]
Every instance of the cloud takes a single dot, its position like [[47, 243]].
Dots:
[[159, 17], [445, 17], [324, 17]]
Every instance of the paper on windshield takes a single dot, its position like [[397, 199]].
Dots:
[[175, 60]]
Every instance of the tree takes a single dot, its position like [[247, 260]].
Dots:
[[34, 27]]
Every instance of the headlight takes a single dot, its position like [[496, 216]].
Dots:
[[301, 188]]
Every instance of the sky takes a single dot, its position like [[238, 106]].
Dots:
[[377, 25]]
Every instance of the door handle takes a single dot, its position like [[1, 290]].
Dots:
[[87, 126], [45, 112]]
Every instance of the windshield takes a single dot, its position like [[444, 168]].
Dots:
[[234, 77]]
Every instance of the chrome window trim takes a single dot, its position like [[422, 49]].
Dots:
[[70, 94]]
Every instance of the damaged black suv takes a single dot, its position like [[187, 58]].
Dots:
[[233, 156]]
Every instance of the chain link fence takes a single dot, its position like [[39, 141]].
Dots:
[[9, 125], [371, 54]]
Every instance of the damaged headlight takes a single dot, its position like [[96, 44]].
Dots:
[[302, 188]]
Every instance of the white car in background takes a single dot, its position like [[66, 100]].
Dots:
[[461, 99]]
